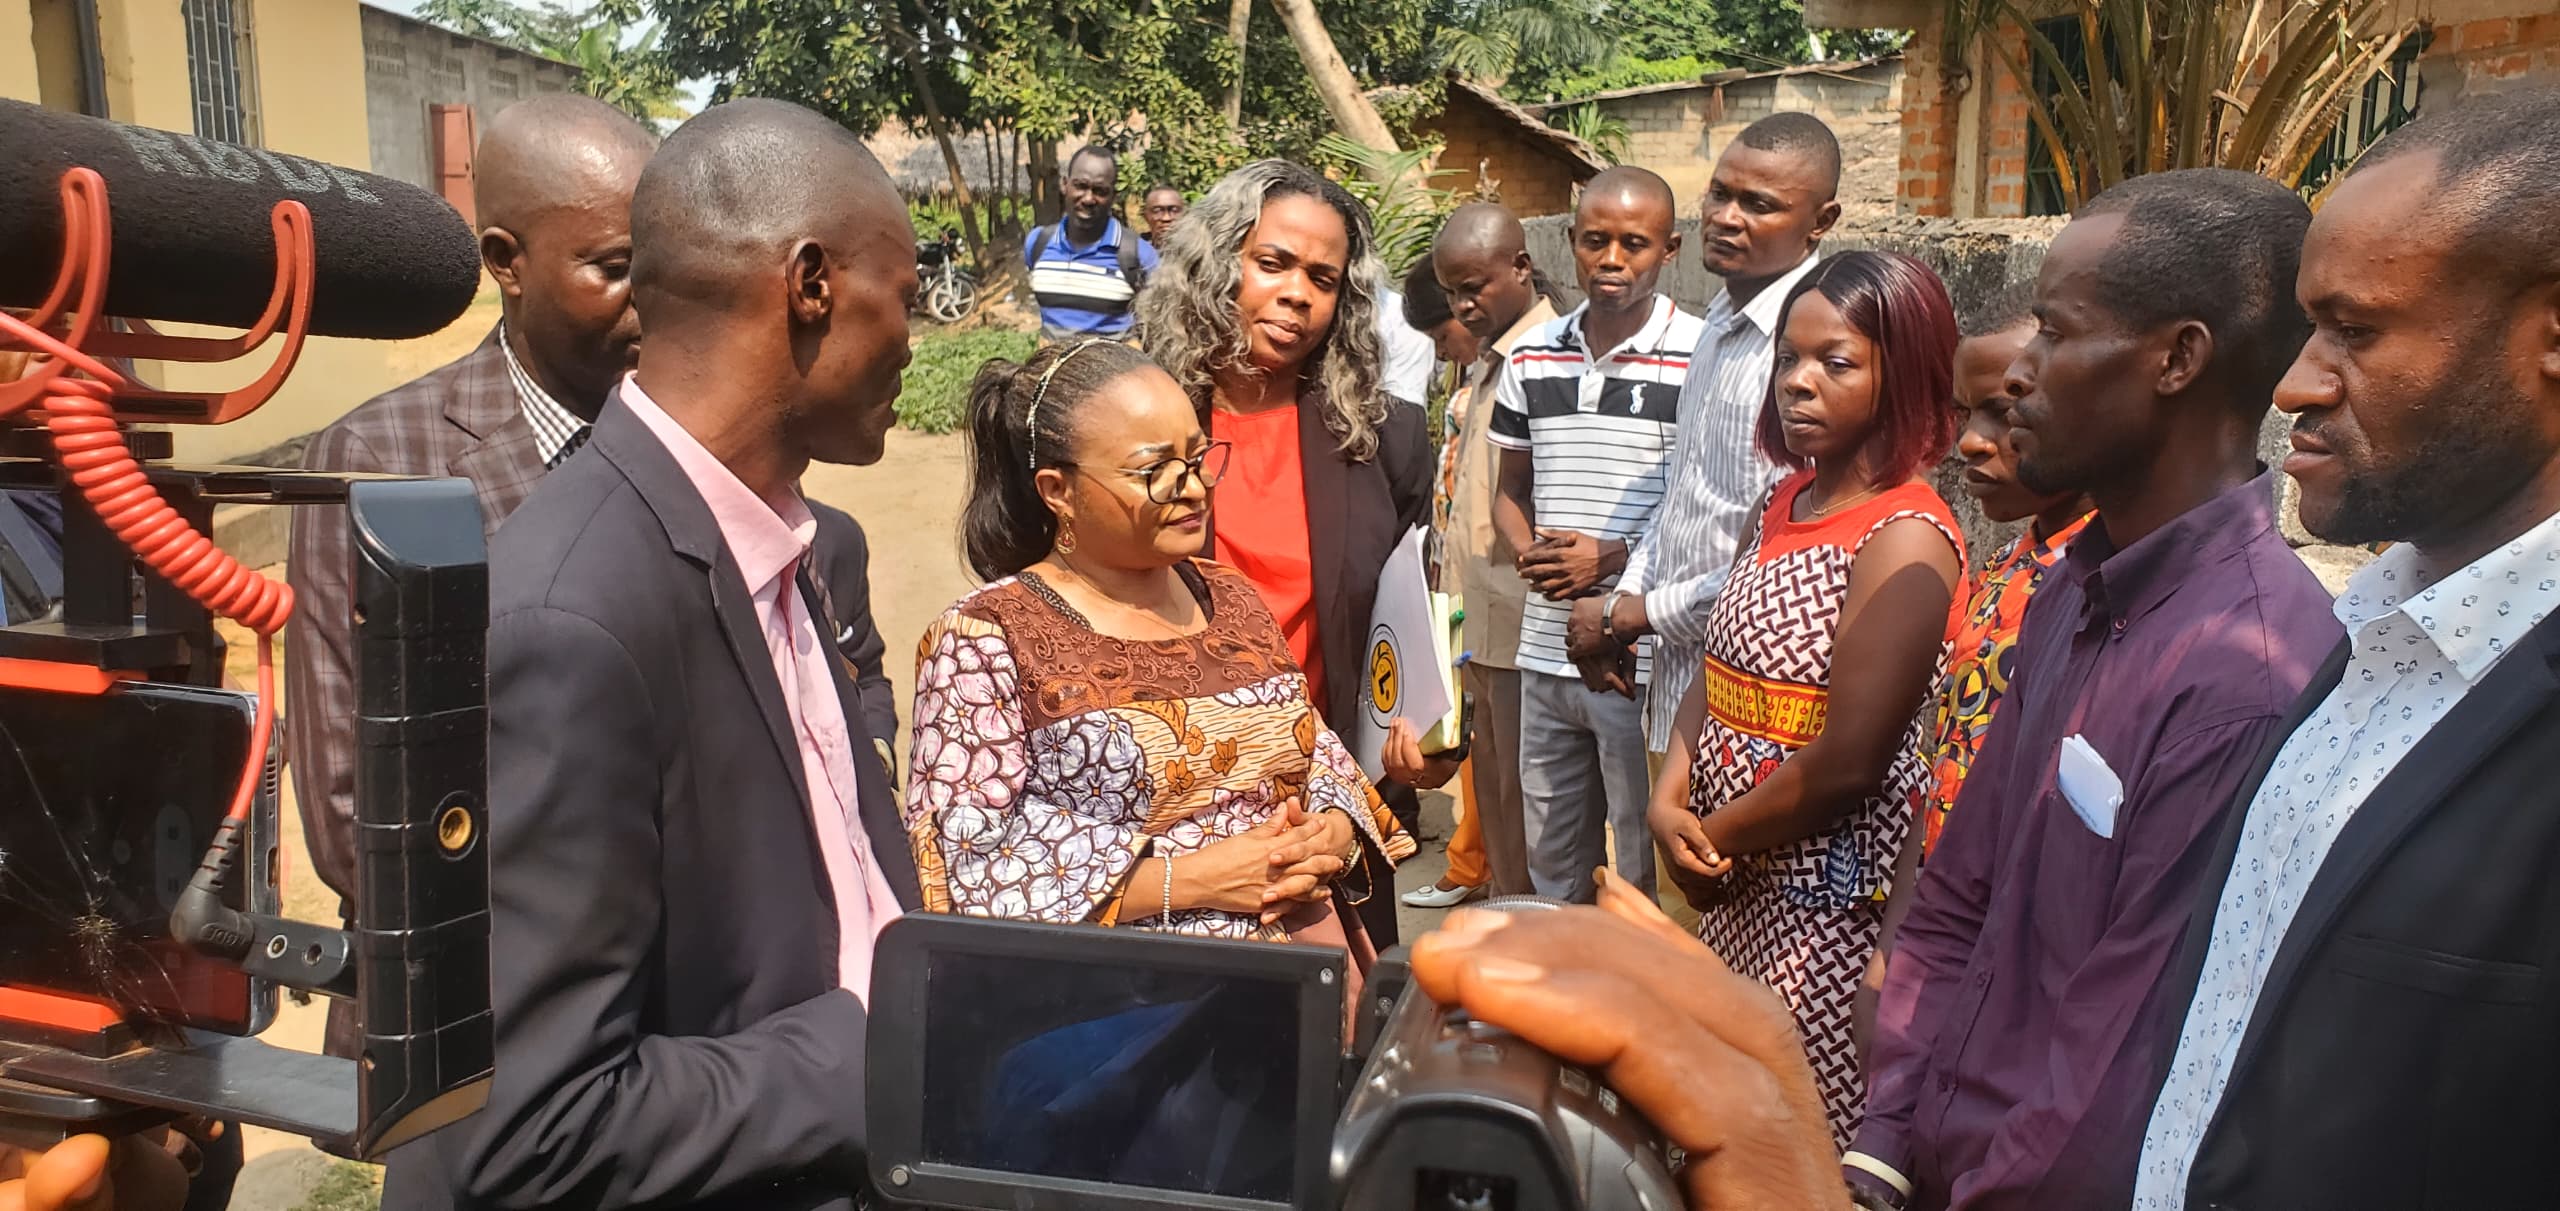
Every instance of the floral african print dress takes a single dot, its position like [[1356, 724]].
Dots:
[[1803, 917], [1050, 759]]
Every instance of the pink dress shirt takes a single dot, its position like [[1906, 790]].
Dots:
[[768, 539]]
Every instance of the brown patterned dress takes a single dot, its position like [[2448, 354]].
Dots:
[[1049, 759]]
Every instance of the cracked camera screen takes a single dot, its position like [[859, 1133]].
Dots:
[[107, 803]]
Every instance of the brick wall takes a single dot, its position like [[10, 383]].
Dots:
[[2475, 47], [2492, 53], [1482, 148], [1926, 185], [1938, 150], [2005, 130]]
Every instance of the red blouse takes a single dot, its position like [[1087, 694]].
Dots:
[[1261, 521]]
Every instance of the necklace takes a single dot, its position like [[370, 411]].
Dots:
[[1142, 618], [1824, 511]]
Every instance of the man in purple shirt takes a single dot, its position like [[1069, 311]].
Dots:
[[2011, 1066]]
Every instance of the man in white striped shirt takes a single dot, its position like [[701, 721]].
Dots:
[[1766, 211], [1584, 417]]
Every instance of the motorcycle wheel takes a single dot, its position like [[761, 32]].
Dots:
[[952, 298]]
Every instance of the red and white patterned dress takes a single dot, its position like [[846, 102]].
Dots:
[[1803, 917]]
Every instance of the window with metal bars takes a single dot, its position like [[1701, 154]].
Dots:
[[2388, 100], [2044, 174], [222, 70]]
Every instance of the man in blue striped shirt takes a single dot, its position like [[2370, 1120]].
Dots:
[[1086, 268]]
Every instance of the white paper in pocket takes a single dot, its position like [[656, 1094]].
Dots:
[[2089, 786]]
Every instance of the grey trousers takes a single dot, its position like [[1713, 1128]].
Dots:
[[1582, 776], [1493, 757]]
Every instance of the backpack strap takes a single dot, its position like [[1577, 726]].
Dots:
[[1130, 271]]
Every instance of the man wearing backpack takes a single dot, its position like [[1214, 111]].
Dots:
[[1086, 270]]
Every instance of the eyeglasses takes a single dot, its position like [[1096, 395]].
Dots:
[[1165, 478]]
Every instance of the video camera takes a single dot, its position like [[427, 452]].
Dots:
[[1025, 1067], [141, 939]]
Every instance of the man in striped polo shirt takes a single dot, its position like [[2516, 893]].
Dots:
[[1087, 267], [1761, 224], [1586, 419]]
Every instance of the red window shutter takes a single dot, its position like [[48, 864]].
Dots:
[[452, 131]]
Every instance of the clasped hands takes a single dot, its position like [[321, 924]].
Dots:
[[1270, 869], [1565, 565]]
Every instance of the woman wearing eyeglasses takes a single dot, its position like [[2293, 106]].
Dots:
[[1112, 730], [1265, 310]]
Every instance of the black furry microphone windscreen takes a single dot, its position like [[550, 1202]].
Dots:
[[193, 239]]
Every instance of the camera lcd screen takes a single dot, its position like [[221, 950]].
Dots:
[[1178, 1080], [107, 803]]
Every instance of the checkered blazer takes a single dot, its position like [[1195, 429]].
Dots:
[[462, 419]]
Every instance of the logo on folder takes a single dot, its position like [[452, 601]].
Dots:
[[1386, 683]]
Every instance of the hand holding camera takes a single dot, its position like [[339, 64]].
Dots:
[[1709, 1056]]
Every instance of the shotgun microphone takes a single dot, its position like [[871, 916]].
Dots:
[[192, 236]]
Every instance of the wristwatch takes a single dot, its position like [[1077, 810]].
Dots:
[[1609, 615]]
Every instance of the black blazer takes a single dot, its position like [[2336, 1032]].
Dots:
[[2405, 1049], [663, 938], [1355, 513]]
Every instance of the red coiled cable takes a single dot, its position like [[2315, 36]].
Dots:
[[92, 451]]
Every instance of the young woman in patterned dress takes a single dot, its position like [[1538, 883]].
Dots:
[[1111, 730], [1804, 739]]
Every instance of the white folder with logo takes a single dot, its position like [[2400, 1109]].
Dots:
[[1404, 664]]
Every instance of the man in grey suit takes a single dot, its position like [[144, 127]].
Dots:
[[687, 860], [554, 180]]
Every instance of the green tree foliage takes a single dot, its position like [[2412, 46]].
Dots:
[[1498, 41], [1403, 214], [1137, 74], [1635, 42], [615, 66]]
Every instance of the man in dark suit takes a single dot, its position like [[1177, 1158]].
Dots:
[[2373, 970], [554, 184], [688, 859]]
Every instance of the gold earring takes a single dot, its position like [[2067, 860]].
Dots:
[[1066, 534]]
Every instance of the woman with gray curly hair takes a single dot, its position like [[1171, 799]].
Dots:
[[1264, 310]]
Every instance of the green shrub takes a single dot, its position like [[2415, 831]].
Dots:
[[936, 395]]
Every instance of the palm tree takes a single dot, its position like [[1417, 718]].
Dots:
[[1604, 131], [2255, 85], [1493, 39], [630, 78]]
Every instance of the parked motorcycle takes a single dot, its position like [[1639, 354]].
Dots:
[[949, 292]]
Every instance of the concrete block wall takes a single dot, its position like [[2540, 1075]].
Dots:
[[410, 65]]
